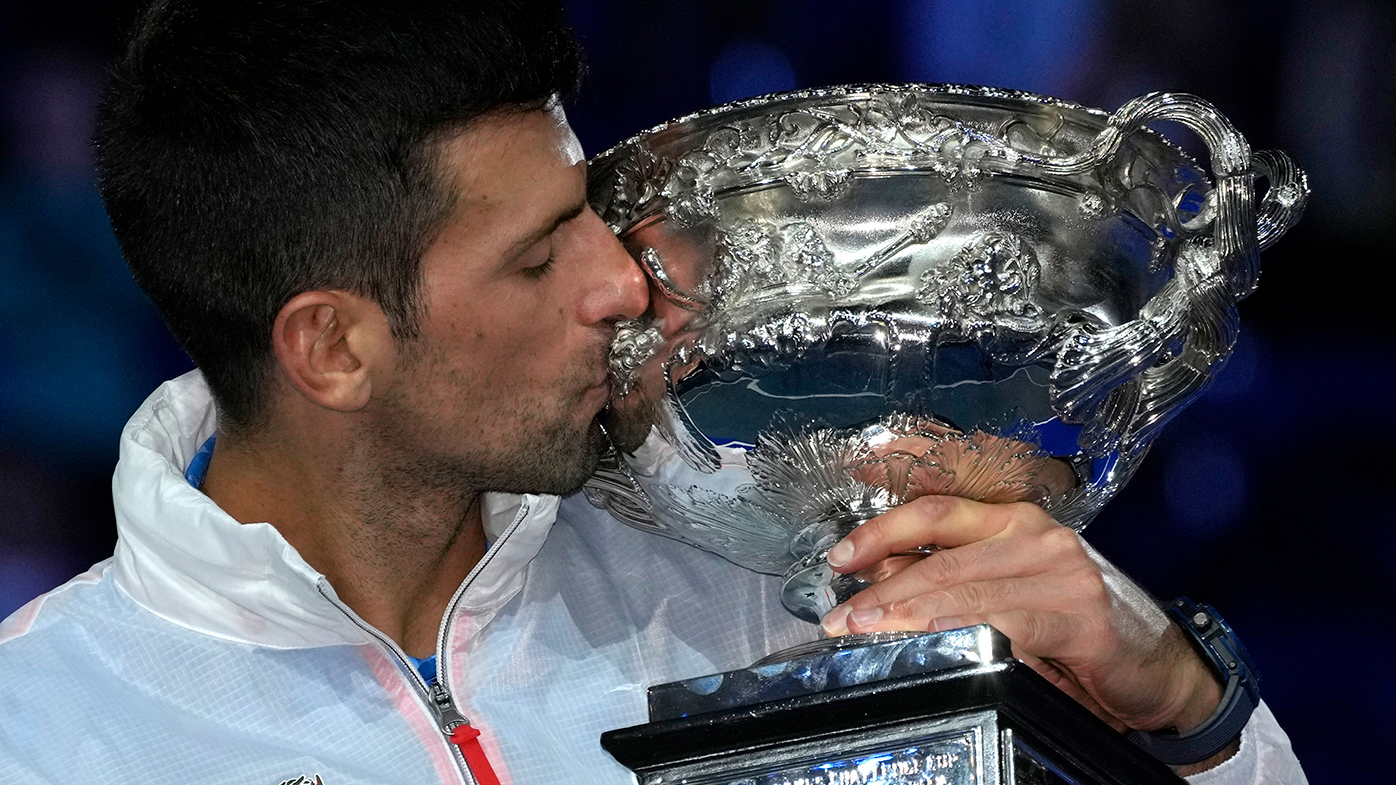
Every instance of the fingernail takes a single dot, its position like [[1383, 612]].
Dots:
[[836, 621], [865, 617], [946, 623], [840, 554]]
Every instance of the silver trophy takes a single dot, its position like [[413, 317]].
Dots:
[[862, 295]]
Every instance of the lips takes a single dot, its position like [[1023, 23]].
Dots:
[[601, 392]]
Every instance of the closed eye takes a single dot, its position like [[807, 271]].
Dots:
[[539, 270]]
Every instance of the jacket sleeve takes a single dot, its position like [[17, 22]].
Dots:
[[1265, 757]]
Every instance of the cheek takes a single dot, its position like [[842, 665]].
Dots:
[[509, 324], [520, 350], [503, 345]]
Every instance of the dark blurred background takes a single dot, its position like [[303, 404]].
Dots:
[[1265, 497]]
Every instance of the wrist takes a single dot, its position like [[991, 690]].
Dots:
[[1204, 694], [1187, 690], [1196, 689], [1187, 742]]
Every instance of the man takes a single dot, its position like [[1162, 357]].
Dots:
[[366, 223]]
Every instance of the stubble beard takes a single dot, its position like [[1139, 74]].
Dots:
[[559, 463], [553, 455], [544, 454], [551, 460]]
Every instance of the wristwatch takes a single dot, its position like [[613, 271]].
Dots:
[[1222, 650]]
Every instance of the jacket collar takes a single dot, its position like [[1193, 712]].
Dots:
[[181, 557]]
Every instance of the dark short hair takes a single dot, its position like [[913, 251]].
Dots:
[[251, 150]]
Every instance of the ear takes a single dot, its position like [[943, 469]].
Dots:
[[331, 345]]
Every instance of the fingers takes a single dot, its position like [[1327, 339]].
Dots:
[[1070, 614], [997, 559], [1048, 614], [945, 521], [881, 571], [1057, 548]]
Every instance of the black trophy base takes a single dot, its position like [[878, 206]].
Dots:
[[990, 722]]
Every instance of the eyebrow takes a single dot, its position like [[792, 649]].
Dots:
[[527, 241]]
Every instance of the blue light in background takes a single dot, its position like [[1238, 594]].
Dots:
[[1204, 487], [80, 346], [1037, 46], [747, 68], [1334, 107], [72, 387], [25, 575], [1243, 374]]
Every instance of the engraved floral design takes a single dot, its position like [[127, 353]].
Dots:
[[822, 184], [816, 149], [804, 472], [744, 530], [929, 223], [987, 286], [923, 227], [1118, 381], [692, 208], [759, 254], [813, 473], [637, 183]]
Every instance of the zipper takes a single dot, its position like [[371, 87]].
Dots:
[[424, 690], [452, 722], [461, 736], [442, 634]]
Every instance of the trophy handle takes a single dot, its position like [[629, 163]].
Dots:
[[1125, 382], [1285, 198]]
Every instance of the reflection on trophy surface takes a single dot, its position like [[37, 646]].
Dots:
[[864, 295]]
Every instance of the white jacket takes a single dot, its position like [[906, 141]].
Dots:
[[209, 651]]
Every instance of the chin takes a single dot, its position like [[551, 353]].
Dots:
[[559, 465], [594, 445]]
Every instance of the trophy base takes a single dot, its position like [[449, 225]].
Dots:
[[971, 715], [829, 645]]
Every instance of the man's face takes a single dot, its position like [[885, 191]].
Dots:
[[521, 292]]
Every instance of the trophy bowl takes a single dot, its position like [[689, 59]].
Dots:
[[865, 294]]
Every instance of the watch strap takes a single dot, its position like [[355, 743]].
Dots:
[[1223, 651]]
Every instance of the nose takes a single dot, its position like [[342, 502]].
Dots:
[[621, 290]]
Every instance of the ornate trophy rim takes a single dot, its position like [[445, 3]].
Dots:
[[948, 89]]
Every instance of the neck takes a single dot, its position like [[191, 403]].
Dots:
[[395, 547]]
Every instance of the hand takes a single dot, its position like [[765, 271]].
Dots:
[[1070, 614]]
